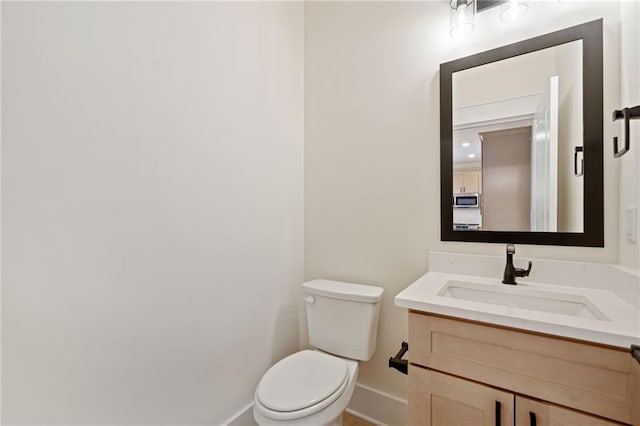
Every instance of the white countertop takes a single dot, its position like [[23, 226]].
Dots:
[[621, 327]]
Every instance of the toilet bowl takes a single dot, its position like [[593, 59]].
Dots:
[[313, 387], [306, 388]]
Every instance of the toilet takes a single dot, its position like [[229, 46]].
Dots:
[[313, 387]]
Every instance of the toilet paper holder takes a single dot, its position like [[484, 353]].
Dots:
[[397, 362]]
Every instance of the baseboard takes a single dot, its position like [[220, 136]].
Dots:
[[377, 407], [243, 417], [374, 406], [363, 417]]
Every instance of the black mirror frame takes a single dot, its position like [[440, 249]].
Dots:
[[592, 98]]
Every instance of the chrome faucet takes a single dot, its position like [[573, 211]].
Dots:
[[510, 273]]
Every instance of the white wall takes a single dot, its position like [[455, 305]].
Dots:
[[152, 207], [372, 182], [511, 78], [570, 187], [630, 96], [371, 153]]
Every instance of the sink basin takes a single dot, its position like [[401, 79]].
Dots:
[[590, 312], [522, 298]]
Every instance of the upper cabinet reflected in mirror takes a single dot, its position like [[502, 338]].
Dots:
[[521, 142], [514, 141]]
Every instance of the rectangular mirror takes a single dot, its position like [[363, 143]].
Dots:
[[521, 142]]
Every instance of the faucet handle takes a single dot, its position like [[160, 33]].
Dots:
[[519, 272]]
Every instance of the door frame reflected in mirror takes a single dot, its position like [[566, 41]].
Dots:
[[592, 119]]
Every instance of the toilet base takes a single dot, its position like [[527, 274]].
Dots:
[[338, 421], [329, 416], [264, 421]]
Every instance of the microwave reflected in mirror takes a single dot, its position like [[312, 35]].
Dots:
[[513, 143]]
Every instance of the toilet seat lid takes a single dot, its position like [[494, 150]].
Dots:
[[301, 380]]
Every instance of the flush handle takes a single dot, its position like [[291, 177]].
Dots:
[[310, 299]]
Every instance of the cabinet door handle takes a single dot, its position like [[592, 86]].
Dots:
[[577, 173], [498, 412], [532, 418]]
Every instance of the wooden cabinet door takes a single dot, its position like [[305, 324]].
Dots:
[[458, 184], [536, 413], [635, 390], [467, 181], [437, 399], [471, 181]]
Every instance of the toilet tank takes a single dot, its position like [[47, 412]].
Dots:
[[342, 318]]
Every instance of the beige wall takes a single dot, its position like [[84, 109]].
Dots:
[[506, 177], [151, 208], [372, 183]]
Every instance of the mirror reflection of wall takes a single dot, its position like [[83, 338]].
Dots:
[[515, 125], [507, 175]]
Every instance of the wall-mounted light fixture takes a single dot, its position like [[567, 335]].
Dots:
[[463, 13]]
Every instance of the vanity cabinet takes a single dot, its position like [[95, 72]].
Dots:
[[460, 369], [467, 181]]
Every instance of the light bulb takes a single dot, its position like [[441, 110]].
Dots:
[[462, 17], [513, 9]]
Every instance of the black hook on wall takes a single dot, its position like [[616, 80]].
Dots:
[[626, 114]]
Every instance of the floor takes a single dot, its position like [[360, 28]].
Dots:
[[350, 420]]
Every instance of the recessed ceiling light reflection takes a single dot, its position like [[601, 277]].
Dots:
[[466, 144], [471, 156]]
